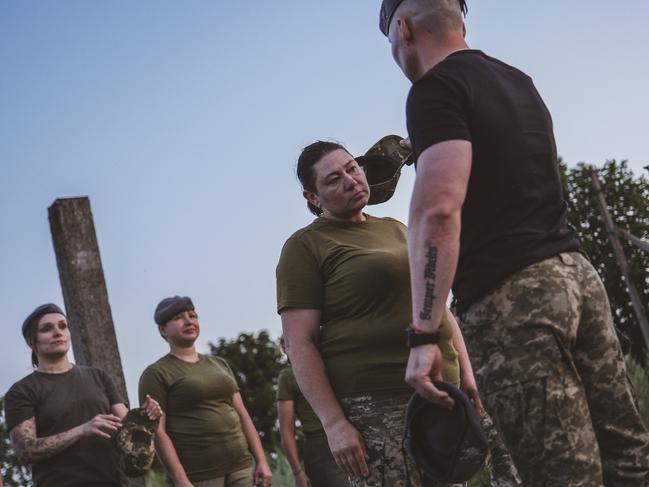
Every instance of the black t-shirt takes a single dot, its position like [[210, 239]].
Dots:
[[59, 402], [514, 213]]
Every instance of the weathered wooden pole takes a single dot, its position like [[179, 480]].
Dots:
[[636, 301], [84, 288], [84, 291]]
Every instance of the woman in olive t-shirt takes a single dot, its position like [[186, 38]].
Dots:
[[343, 292], [60, 416], [206, 436]]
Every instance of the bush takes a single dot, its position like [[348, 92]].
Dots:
[[640, 379]]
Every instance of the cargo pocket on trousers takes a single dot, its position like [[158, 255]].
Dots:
[[527, 399]]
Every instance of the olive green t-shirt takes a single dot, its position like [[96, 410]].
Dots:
[[288, 390], [357, 275], [203, 426]]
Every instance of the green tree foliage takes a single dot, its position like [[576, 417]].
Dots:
[[627, 197], [13, 473], [256, 361]]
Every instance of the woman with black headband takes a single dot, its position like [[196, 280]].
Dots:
[[343, 294], [61, 416], [206, 437]]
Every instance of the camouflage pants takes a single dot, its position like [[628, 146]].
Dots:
[[551, 374], [380, 420]]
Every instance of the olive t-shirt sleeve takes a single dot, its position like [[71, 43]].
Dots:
[[436, 112], [20, 405], [113, 395], [299, 279], [153, 384], [224, 363], [285, 386]]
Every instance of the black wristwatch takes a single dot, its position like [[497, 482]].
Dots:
[[417, 339]]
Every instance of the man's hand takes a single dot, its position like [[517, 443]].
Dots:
[[405, 143], [424, 365], [347, 448]]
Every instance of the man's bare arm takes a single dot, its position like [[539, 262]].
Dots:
[[433, 244]]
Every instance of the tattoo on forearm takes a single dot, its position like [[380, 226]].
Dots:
[[430, 275], [32, 449]]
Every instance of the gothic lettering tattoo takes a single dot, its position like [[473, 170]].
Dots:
[[430, 274]]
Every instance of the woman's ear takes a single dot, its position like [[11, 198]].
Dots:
[[311, 198]]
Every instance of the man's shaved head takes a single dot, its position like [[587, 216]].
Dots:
[[435, 16]]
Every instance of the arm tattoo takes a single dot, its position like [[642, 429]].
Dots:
[[31, 449], [430, 274]]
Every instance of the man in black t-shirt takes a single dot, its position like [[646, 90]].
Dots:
[[488, 218]]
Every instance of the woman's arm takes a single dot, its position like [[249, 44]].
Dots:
[[467, 379], [31, 449], [262, 470], [301, 329], [119, 410], [169, 457], [286, 417]]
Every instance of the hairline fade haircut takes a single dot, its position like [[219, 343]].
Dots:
[[435, 16]]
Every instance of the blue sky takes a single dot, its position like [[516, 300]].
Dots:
[[182, 121]]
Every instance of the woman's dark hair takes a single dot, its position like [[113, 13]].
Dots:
[[310, 155], [32, 332]]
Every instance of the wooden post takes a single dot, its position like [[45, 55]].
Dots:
[[84, 288], [638, 242], [636, 301], [84, 291]]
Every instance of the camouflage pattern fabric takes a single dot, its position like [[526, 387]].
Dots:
[[501, 465], [380, 420], [134, 442], [551, 374]]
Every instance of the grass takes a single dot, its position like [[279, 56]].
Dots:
[[639, 376]]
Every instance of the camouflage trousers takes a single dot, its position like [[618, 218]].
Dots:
[[381, 421], [551, 374]]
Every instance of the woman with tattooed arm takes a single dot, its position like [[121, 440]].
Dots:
[[60, 416]]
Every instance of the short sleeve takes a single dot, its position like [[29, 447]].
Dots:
[[20, 405], [299, 278], [228, 370], [436, 112], [286, 385], [153, 384], [114, 397]]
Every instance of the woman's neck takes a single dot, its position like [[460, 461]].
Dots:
[[186, 354], [53, 366], [355, 218]]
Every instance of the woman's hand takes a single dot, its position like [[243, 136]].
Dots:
[[301, 480], [153, 409], [468, 385], [100, 424], [347, 447], [263, 475]]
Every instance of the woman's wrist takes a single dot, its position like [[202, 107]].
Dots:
[[297, 472]]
